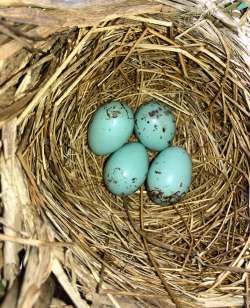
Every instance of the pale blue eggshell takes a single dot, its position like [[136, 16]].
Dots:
[[155, 125], [169, 176], [126, 169], [111, 126]]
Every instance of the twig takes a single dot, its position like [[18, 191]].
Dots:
[[171, 248], [57, 73], [191, 245], [33, 242], [151, 258], [14, 198], [67, 286], [98, 289], [156, 267], [247, 297]]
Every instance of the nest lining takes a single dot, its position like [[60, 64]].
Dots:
[[201, 78]]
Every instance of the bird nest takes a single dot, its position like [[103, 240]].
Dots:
[[195, 250]]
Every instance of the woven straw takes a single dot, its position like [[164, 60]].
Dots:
[[130, 251]]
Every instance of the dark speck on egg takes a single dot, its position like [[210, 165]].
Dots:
[[153, 113], [158, 195]]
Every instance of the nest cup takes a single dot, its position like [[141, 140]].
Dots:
[[200, 73]]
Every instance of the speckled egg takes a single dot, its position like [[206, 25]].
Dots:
[[111, 126], [169, 176], [126, 169], [155, 126]]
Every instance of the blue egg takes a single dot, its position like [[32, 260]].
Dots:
[[155, 126], [110, 128], [169, 176], [126, 169]]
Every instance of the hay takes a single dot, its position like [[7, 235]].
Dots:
[[193, 252]]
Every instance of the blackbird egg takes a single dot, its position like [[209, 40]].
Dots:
[[169, 176], [126, 169], [111, 127], [155, 126]]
